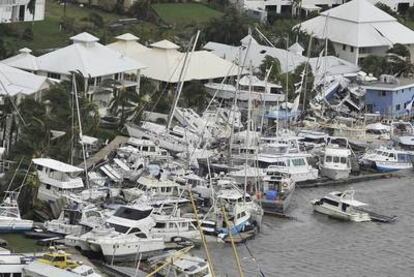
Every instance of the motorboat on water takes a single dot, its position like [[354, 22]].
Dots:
[[336, 162], [341, 205], [10, 219], [388, 159]]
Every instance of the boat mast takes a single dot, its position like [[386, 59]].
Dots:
[[240, 67], [247, 139], [183, 73], [75, 92]]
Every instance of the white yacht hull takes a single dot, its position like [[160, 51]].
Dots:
[[130, 249], [10, 225], [335, 173], [348, 216], [161, 140]]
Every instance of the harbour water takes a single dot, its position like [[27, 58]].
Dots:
[[315, 245]]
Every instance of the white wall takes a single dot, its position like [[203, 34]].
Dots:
[[9, 11]]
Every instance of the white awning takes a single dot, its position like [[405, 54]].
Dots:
[[57, 165]]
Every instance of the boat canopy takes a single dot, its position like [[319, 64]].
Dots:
[[57, 165]]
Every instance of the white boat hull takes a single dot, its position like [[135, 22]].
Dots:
[[8, 225], [335, 173], [348, 216]]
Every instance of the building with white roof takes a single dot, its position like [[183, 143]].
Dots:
[[95, 62], [24, 60], [17, 83], [288, 59], [358, 29], [17, 11], [165, 61]]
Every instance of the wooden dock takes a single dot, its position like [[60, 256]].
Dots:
[[351, 180], [102, 154]]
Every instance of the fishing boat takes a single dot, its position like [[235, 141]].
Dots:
[[341, 205], [276, 194], [10, 219], [388, 159], [336, 162]]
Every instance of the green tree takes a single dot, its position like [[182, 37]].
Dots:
[[374, 64], [141, 9], [387, 9], [27, 34], [194, 96], [268, 62], [229, 28], [31, 6]]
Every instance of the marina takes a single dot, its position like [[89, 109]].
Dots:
[[176, 155]]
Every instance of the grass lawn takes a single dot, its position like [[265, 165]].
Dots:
[[47, 34], [185, 13]]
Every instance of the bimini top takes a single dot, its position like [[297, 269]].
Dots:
[[57, 165]]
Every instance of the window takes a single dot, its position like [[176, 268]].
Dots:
[[352, 49], [343, 47], [405, 105], [336, 159], [53, 75], [398, 107], [343, 160], [329, 201], [133, 214], [328, 159], [383, 93], [134, 230], [160, 225]]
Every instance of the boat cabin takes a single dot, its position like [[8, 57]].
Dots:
[[159, 187], [337, 157], [56, 178], [145, 148]]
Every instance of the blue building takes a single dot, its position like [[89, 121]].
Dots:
[[389, 96]]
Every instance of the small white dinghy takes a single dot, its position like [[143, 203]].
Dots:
[[341, 205]]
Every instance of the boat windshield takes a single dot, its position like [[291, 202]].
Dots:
[[132, 214]]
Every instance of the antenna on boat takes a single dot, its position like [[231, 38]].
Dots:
[[241, 66]]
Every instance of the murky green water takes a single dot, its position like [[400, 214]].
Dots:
[[19, 243]]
